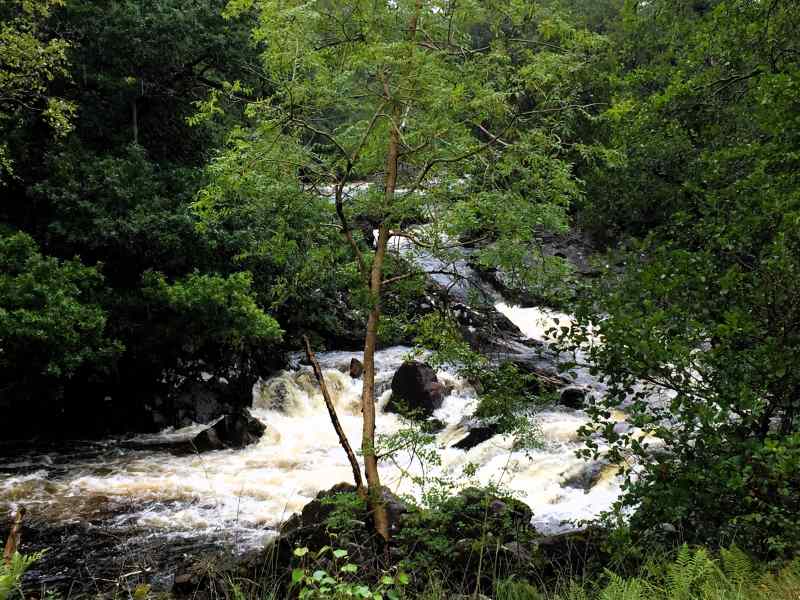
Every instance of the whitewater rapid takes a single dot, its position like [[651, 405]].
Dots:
[[243, 495]]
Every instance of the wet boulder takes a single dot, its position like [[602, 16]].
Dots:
[[415, 390], [356, 368], [473, 527], [475, 510], [585, 477], [320, 508], [477, 433], [338, 517], [573, 397], [235, 430], [203, 400], [487, 330]]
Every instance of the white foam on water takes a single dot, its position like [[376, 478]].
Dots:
[[535, 321]]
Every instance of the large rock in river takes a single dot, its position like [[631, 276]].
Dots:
[[235, 430], [415, 390], [573, 397], [477, 433], [356, 368]]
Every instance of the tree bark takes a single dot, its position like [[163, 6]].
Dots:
[[135, 121], [360, 490], [379, 514]]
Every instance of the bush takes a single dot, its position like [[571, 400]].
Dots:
[[51, 322]]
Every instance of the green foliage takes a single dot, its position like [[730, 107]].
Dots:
[[507, 400], [51, 322], [11, 573], [413, 451], [467, 536], [140, 69], [117, 190], [511, 589], [341, 582], [346, 511], [214, 309], [722, 455], [278, 231], [705, 312], [123, 209], [696, 575], [31, 58], [481, 116], [438, 334], [701, 103], [508, 397], [687, 574]]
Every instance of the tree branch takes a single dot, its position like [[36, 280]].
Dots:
[[437, 161], [351, 161], [362, 492], [348, 234], [397, 278]]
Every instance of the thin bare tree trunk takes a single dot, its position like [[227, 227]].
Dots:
[[362, 492], [380, 515], [14, 536], [135, 119]]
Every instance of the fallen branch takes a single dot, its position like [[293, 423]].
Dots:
[[360, 489]]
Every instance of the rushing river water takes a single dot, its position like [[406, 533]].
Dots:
[[243, 495]]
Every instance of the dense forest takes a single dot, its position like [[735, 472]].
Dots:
[[203, 196]]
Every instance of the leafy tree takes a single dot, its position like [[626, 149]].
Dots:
[[31, 57], [707, 309], [205, 324], [426, 102], [116, 189], [51, 323], [139, 67]]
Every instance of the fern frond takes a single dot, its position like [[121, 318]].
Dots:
[[737, 566], [11, 573], [624, 589], [692, 572]]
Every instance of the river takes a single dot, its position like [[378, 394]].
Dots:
[[239, 497]]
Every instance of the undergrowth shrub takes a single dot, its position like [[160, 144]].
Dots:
[[696, 574], [11, 573]]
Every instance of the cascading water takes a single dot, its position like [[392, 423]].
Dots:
[[242, 495]]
